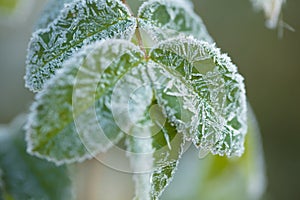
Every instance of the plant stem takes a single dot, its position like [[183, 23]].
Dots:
[[137, 32], [126, 4], [140, 40]]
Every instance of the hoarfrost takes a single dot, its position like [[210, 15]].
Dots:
[[166, 157], [178, 100], [163, 19], [218, 94], [81, 22]]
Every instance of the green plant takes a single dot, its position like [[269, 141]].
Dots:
[[148, 82]]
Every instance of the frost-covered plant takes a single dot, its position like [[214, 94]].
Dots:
[[148, 83]]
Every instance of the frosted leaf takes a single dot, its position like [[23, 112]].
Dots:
[[272, 10], [50, 12], [27, 177], [163, 19], [71, 119], [219, 89], [217, 177], [168, 152], [81, 22]]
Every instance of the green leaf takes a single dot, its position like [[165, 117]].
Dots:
[[63, 125], [26, 177], [168, 146], [163, 19], [50, 12], [219, 92], [80, 23]]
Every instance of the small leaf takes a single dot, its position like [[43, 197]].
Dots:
[[81, 22], [218, 89], [153, 145], [218, 177], [167, 156], [50, 12], [154, 158], [26, 177], [163, 19], [63, 126]]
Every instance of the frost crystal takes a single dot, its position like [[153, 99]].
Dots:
[[163, 19], [220, 105], [178, 99], [80, 23]]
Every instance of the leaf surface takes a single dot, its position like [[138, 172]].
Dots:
[[218, 90], [80, 23], [71, 119], [163, 19]]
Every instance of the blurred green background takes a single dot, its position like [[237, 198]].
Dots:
[[269, 64]]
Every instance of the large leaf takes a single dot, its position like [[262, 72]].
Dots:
[[81, 22], [26, 177], [163, 19], [71, 119], [219, 92]]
